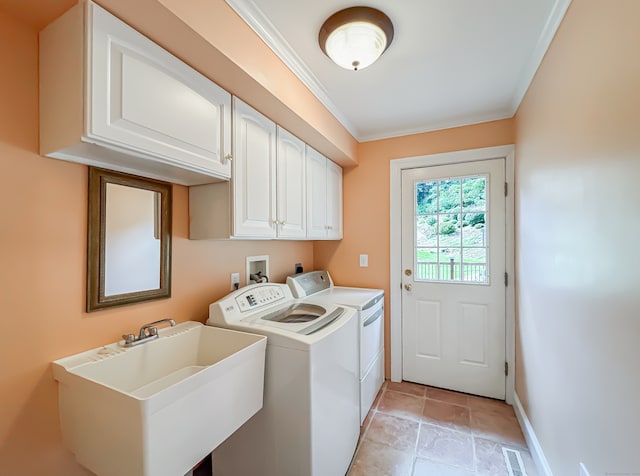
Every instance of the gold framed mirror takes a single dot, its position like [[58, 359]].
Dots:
[[129, 239]]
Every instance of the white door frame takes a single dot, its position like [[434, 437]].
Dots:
[[395, 278]]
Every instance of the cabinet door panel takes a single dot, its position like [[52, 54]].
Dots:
[[334, 201], [254, 173], [290, 187], [316, 195], [143, 98]]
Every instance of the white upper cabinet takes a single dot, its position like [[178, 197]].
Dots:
[[254, 178], [266, 196], [111, 97], [290, 186], [324, 197]]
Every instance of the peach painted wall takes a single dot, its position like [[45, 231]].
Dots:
[[366, 203], [577, 195], [42, 270]]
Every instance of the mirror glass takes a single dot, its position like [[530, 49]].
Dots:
[[129, 239]]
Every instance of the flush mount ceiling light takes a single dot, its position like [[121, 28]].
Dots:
[[355, 38]]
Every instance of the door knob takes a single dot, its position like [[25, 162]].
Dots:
[[407, 287], [228, 157]]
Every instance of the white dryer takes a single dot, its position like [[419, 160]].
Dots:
[[317, 287], [309, 423]]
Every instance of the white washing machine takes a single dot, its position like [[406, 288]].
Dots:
[[309, 423], [318, 287]]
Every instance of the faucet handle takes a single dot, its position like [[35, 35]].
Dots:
[[129, 338]]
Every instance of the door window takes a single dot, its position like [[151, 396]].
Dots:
[[451, 230]]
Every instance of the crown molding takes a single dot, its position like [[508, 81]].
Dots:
[[263, 27], [259, 23], [440, 125], [535, 60]]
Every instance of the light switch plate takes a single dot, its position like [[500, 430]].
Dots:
[[364, 261]]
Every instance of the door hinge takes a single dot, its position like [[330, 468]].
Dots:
[[506, 188], [506, 278], [506, 369]]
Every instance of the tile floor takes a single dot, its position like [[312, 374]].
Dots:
[[413, 430]]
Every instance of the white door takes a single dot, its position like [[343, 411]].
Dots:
[[254, 179], [290, 188], [453, 262]]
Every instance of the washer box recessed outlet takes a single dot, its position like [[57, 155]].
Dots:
[[257, 265]]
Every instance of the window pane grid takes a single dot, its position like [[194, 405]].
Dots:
[[451, 241]]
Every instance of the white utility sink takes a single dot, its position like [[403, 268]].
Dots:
[[158, 408]]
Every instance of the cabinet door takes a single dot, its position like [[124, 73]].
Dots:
[[290, 186], [254, 173], [142, 98], [334, 201], [316, 195]]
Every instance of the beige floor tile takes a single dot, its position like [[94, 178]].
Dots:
[[489, 404], [398, 433], [498, 426], [447, 396], [490, 458], [457, 434], [401, 405], [430, 468], [447, 446], [407, 387], [446, 414], [375, 459]]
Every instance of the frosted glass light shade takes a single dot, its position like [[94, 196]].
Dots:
[[356, 45], [355, 37]]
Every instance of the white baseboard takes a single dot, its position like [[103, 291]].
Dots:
[[530, 436]]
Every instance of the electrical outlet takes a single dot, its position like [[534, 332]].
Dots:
[[235, 281], [583, 470], [364, 261]]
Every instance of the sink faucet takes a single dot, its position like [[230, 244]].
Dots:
[[147, 332]]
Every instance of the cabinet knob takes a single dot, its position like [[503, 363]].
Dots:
[[229, 157]]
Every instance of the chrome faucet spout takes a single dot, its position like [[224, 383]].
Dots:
[[146, 333], [151, 330]]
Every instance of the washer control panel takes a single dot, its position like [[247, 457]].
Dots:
[[245, 303], [259, 297]]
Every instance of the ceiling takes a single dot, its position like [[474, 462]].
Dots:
[[451, 63]]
